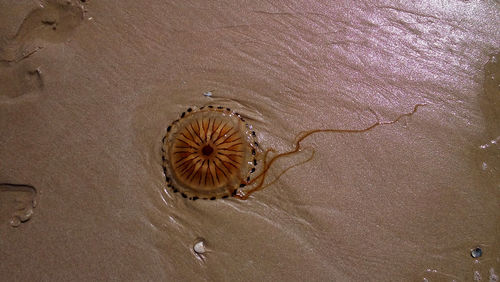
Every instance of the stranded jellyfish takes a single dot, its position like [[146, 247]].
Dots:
[[210, 153]]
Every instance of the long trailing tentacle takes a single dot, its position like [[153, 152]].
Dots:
[[260, 178]]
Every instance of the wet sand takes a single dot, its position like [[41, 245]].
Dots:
[[87, 90]]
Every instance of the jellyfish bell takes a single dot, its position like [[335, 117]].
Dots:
[[208, 153]]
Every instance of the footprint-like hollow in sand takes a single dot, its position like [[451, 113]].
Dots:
[[17, 202], [54, 22]]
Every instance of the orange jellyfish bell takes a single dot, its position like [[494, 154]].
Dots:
[[208, 153]]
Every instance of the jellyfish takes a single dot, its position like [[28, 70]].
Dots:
[[211, 153]]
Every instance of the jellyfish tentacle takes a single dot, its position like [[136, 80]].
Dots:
[[303, 135]]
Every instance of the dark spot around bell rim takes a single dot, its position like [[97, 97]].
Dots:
[[220, 107], [207, 150], [213, 198], [189, 110], [183, 114], [210, 106], [169, 128], [476, 252]]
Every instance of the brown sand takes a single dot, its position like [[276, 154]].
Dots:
[[87, 89]]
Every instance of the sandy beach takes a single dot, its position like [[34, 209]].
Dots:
[[88, 88]]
